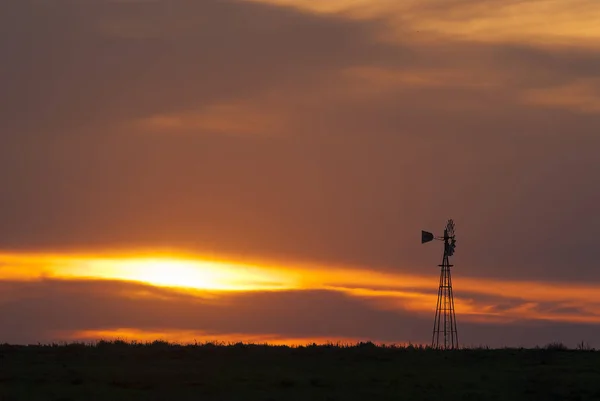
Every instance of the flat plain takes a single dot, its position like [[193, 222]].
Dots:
[[161, 371]]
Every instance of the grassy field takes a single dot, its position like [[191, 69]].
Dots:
[[160, 371]]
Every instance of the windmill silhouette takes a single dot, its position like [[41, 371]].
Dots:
[[445, 334]]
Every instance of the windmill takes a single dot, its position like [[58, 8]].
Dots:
[[445, 335]]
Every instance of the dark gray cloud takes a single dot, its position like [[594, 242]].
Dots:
[[38, 310], [86, 65], [355, 170]]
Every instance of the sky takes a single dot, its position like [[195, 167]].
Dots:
[[260, 170]]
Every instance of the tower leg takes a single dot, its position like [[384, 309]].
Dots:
[[453, 328], [435, 339]]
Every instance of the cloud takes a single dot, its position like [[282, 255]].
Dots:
[[54, 310], [581, 96], [162, 58], [44, 308], [299, 137], [539, 21], [226, 118], [477, 299]]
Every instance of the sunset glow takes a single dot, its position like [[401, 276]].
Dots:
[[262, 169], [385, 291]]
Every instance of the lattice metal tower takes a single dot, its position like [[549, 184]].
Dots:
[[445, 334]]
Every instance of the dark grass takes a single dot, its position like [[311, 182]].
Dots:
[[162, 371]]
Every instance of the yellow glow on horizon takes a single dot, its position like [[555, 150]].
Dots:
[[191, 337]]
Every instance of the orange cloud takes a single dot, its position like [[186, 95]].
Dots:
[[582, 96], [538, 21], [235, 118]]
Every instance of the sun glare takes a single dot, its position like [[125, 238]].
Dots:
[[193, 274], [179, 274]]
